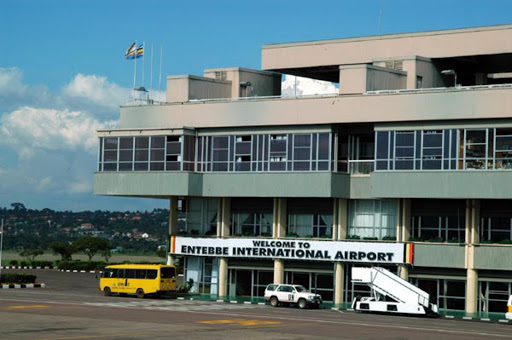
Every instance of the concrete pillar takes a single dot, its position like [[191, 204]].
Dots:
[[406, 219], [279, 218], [278, 271], [339, 283], [404, 231], [173, 224], [223, 277], [226, 217], [342, 218], [223, 230], [472, 237], [471, 291]]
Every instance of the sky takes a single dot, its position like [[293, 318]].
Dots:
[[63, 74]]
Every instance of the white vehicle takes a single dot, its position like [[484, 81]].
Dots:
[[405, 297], [508, 315], [286, 294]]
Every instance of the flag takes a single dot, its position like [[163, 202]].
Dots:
[[130, 52], [134, 53]]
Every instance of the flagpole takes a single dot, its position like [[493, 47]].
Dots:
[[160, 74], [143, 62], [134, 71], [151, 71]]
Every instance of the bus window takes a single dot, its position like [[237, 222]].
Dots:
[[151, 274], [140, 273], [115, 273], [120, 274], [167, 273], [107, 273], [129, 273]]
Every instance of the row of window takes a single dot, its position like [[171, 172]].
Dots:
[[450, 149], [432, 220], [263, 152]]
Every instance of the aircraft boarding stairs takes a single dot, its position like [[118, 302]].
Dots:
[[408, 299]]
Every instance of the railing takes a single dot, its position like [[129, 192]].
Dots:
[[142, 102], [361, 167]]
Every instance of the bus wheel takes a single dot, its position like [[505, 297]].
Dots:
[[107, 291], [140, 293]]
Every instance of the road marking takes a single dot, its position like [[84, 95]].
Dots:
[[243, 322], [26, 306]]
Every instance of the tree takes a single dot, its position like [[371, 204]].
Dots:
[[32, 253], [65, 250], [91, 245]]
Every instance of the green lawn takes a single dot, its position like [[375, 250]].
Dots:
[[12, 255]]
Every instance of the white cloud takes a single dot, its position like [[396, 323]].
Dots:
[[298, 86], [13, 91], [31, 128], [97, 90]]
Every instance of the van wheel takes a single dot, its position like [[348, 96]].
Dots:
[[302, 304], [140, 293], [274, 301], [107, 291]]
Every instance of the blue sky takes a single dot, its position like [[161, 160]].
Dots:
[[63, 75]]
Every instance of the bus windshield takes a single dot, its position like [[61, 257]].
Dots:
[[167, 273]]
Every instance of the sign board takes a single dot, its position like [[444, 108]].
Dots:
[[290, 249]]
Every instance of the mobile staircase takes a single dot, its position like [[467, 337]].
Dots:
[[390, 294]]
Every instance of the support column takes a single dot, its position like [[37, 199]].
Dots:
[[223, 230], [173, 225], [342, 218], [223, 277], [279, 230], [404, 231], [226, 217], [278, 271], [472, 238], [339, 284]]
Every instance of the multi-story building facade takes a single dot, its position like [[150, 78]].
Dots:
[[408, 167]]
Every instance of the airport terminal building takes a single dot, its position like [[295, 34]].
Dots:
[[407, 167]]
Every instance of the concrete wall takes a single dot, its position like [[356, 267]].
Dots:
[[444, 255], [435, 44], [187, 87], [441, 106], [442, 184], [165, 184], [496, 257], [361, 78]]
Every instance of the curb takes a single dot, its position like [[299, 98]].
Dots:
[[451, 317], [29, 285], [19, 267], [80, 271]]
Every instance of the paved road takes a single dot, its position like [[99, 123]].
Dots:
[[71, 307]]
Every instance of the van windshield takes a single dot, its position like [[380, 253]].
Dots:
[[301, 289], [167, 273]]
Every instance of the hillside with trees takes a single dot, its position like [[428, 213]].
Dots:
[[127, 232]]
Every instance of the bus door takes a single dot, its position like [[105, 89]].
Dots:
[[129, 283]]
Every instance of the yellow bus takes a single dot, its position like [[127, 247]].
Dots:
[[140, 279]]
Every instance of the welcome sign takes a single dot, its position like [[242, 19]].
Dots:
[[334, 251]]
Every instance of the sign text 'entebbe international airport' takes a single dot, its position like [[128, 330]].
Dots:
[[371, 252]]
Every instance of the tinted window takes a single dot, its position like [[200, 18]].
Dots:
[[151, 274], [167, 273]]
